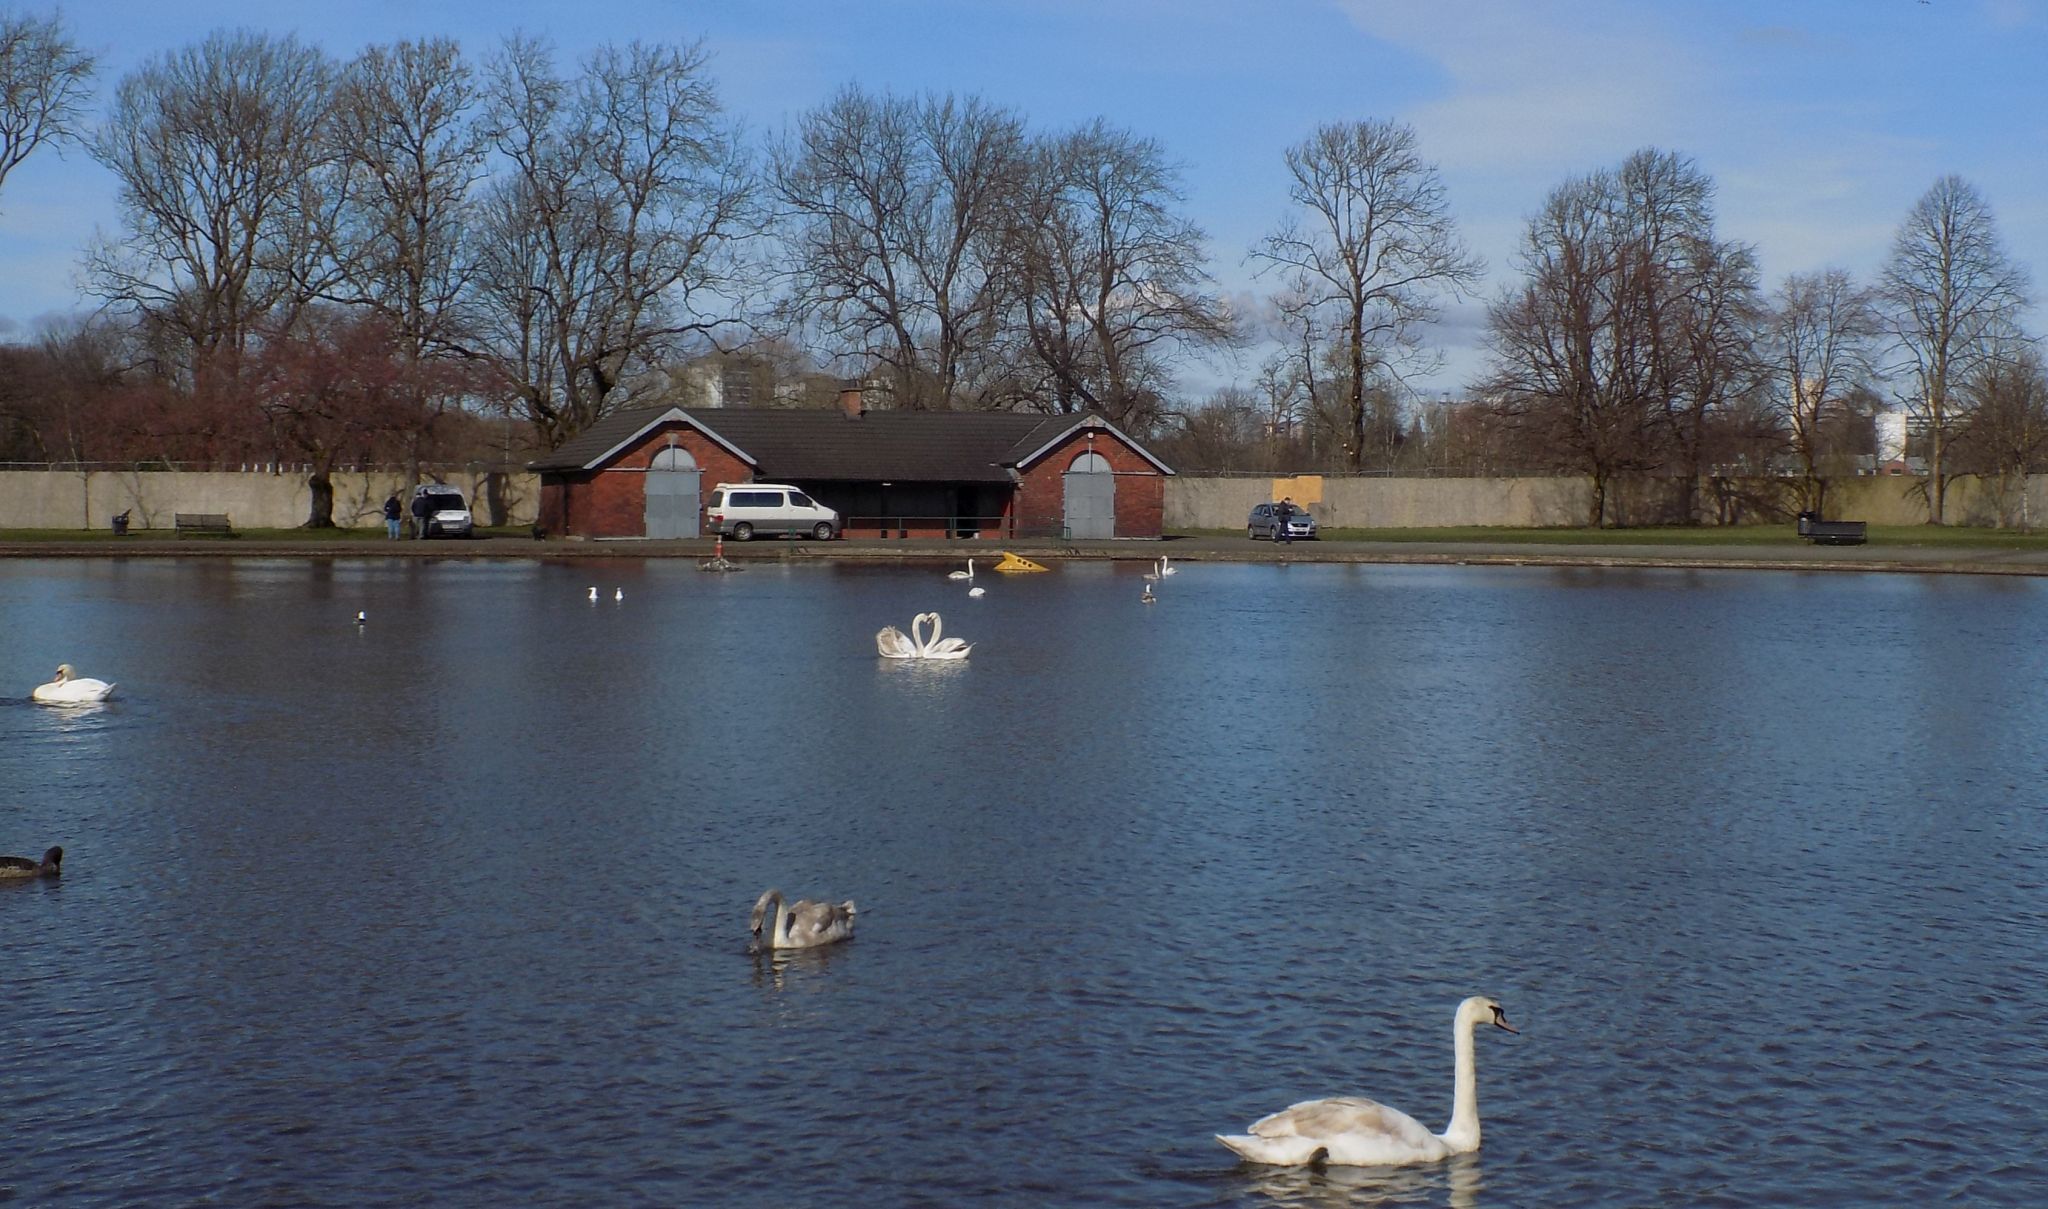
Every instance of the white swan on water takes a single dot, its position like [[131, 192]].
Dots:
[[802, 924], [1355, 1132], [69, 688], [892, 643], [1166, 567], [968, 574]]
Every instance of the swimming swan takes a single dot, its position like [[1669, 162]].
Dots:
[[968, 574], [69, 688], [1355, 1132], [1166, 567], [802, 924], [892, 643], [20, 866], [936, 647]]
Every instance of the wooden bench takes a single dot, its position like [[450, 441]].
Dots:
[[207, 524], [1831, 533]]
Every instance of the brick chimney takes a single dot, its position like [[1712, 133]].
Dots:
[[852, 400]]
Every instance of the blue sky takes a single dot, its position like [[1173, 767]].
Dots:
[[1822, 120]]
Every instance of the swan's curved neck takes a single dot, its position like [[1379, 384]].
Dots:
[[1463, 1132]]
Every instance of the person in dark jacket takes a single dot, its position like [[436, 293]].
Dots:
[[419, 515], [392, 513], [1285, 513]]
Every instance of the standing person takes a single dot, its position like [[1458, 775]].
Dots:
[[419, 515], [391, 514], [1286, 514]]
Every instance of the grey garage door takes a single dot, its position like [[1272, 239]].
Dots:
[[672, 494], [1091, 497]]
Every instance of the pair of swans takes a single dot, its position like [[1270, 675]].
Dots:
[[1356, 1132], [12, 867], [1161, 569], [802, 924], [968, 575], [70, 688], [892, 643]]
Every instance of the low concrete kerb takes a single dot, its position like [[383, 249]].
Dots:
[[1790, 556]]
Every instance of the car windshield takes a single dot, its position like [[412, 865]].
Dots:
[[799, 499], [444, 502]]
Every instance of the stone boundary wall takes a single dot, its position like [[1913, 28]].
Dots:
[[1222, 502], [255, 499]]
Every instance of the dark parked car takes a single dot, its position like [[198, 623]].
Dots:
[[1265, 522]]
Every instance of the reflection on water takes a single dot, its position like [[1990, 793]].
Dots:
[[450, 907], [1455, 1183]]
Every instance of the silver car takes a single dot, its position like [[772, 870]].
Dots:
[[1265, 522]]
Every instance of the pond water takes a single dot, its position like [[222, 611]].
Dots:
[[450, 907]]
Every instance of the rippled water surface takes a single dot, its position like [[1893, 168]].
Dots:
[[451, 908]]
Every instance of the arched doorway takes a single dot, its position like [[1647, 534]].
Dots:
[[1091, 497], [672, 494]]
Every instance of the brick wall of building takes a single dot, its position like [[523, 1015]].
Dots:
[[1041, 502], [612, 501]]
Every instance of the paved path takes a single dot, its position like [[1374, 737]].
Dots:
[[1791, 555]]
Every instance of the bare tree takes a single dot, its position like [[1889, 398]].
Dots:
[[1631, 347], [894, 212], [225, 190], [1111, 276], [2007, 432], [44, 80], [1716, 320], [613, 238], [402, 124], [1373, 248], [1952, 297], [1819, 343], [1568, 374]]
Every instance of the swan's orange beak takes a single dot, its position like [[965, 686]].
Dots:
[[1501, 1021]]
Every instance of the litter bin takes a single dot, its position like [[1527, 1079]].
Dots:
[[120, 524]]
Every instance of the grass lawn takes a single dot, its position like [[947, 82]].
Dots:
[[1933, 536]]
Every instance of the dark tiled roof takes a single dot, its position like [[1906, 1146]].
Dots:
[[827, 445]]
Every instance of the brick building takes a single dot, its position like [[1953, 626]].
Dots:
[[887, 473]]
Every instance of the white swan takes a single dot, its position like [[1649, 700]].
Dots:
[[977, 593], [1158, 571], [69, 688], [1166, 567], [802, 924], [936, 647], [1355, 1132], [593, 593], [892, 643], [968, 574]]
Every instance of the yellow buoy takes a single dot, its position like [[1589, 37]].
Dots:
[[1012, 563]]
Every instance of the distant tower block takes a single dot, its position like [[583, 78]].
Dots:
[[1891, 436]]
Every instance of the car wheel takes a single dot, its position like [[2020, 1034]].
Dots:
[[1251, 534], [822, 531], [742, 531]]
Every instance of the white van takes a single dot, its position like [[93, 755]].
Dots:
[[440, 511], [740, 510]]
